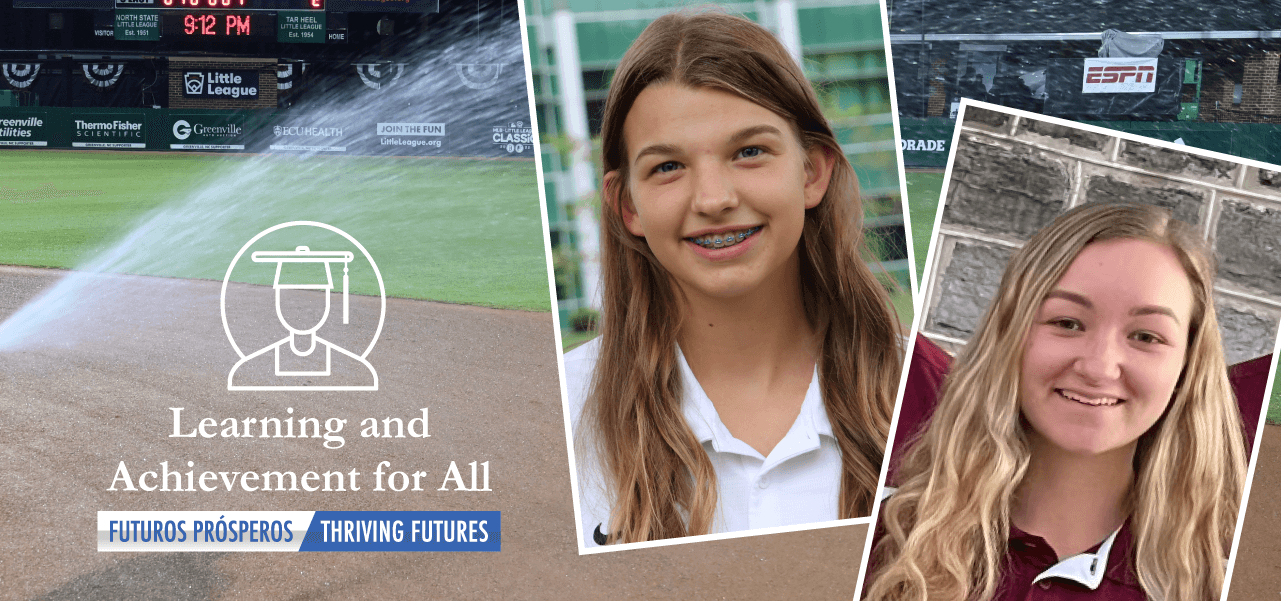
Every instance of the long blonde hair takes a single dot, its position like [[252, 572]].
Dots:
[[660, 480], [945, 531]]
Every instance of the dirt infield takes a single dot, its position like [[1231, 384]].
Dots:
[[1257, 574], [95, 388]]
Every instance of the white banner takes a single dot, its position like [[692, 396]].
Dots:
[[1119, 76], [170, 531]]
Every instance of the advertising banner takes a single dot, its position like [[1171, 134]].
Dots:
[[206, 131], [1114, 88], [108, 130], [926, 141], [411, 136], [316, 133], [25, 130], [1119, 76], [220, 84], [514, 138]]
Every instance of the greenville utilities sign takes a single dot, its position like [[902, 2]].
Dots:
[[222, 85], [23, 131]]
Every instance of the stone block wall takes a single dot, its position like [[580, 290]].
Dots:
[[1014, 174]]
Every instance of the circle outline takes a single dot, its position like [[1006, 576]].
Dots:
[[382, 290]]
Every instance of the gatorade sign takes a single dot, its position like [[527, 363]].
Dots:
[[924, 145]]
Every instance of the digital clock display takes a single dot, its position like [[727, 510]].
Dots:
[[217, 24]]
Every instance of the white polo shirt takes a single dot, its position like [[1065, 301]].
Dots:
[[798, 483]]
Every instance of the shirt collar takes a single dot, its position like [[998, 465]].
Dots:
[[706, 423], [1108, 559], [1085, 568]]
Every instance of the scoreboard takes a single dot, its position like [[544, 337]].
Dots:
[[288, 21], [291, 21], [205, 5], [348, 6]]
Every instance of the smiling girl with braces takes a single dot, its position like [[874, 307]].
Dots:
[[646, 471]]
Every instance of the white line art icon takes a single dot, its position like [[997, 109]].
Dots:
[[302, 360]]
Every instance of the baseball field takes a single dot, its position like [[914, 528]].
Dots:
[[923, 191], [451, 230], [93, 386]]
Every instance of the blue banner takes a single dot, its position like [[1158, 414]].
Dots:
[[404, 531]]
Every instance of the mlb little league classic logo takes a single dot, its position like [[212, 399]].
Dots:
[[301, 359]]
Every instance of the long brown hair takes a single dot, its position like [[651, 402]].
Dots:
[[660, 480], [946, 528]]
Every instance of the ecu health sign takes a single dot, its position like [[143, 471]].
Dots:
[[1119, 76]]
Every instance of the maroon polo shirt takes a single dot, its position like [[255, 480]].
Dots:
[[925, 374], [1029, 555], [1249, 381]]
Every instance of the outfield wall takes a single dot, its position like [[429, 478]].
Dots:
[[259, 131], [926, 142]]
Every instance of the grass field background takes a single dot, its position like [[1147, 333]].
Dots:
[[458, 231], [1274, 404], [923, 200]]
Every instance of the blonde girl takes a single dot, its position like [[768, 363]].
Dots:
[[1088, 425]]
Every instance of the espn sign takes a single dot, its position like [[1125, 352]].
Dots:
[[1119, 76]]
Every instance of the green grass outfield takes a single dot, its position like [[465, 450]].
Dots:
[[923, 200], [451, 230], [1274, 405]]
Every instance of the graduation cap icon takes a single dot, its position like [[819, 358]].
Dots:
[[308, 270], [303, 359]]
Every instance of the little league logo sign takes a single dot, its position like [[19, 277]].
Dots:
[[195, 82], [234, 84]]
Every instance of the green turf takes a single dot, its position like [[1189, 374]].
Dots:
[[570, 339], [923, 200], [902, 302], [459, 231], [1274, 404]]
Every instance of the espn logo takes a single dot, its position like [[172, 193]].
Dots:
[[1119, 76]]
